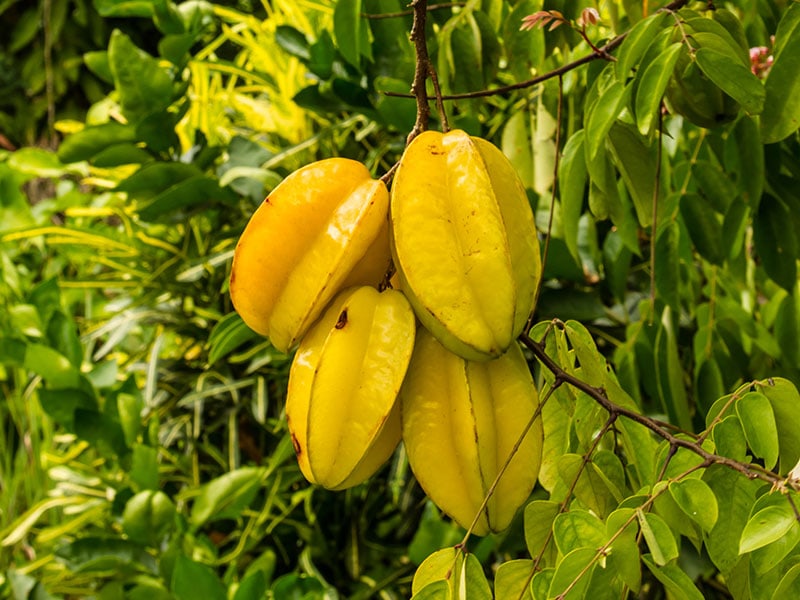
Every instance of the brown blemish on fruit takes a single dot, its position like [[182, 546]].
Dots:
[[296, 445], [342, 320]]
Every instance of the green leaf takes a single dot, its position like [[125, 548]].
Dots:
[[590, 487], [696, 499], [193, 193], [751, 159], [729, 439], [436, 567], [538, 518], [766, 526], [652, 85], [785, 401], [578, 529], [573, 572], [624, 551], [760, 429], [637, 165], [436, 590], [734, 227], [776, 241], [789, 587], [226, 496], [766, 558], [669, 373], [572, 177], [350, 32], [511, 579], [781, 115], [192, 580], [227, 335], [677, 583], [704, 227], [252, 587], [637, 41], [90, 141], [603, 114], [142, 84], [735, 496], [787, 329], [593, 365], [293, 41], [667, 265], [659, 537], [148, 516], [733, 78], [470, 580]]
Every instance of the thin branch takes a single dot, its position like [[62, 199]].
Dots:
[[422, 68], [602, 52], [406, 13], [598, 394]]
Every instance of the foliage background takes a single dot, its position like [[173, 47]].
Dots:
[[145, 452]]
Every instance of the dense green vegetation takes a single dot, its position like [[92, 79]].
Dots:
[[145, 453]]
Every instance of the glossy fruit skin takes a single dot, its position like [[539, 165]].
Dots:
[[690, 92], [322, 229], [341, 403], [464, 242], [461, 420]]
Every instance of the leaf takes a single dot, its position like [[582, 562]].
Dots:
[[192, 580], [538, 518], [781, 115], [677, 583], [437, 590], [192, 193], [787, 329], [572, 177], [226, 496], [142, 84], [590, 487], [578, 529], [652, 85], [734, 228], [511, 579], [751, 155], [733, 78], [735, 496], [767, 558], [789, 587], [227, 335], [766, 526], [293, 41], [91, 140], [593, 365], [637, 165], [637, 41], [785, 401], [624, 551], [436, 567], [760, 429], [776, 242], [669, 373], [573, 571], [696, 499], [602, 115], [350, 32], [667, 265], [704, 227], [659, 537], [252, 587]]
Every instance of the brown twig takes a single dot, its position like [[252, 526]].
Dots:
[[598, 394], [406, 13], [602, 52], [422, 68]]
